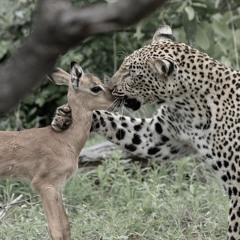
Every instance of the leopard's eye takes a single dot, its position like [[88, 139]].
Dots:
[[96, 89]]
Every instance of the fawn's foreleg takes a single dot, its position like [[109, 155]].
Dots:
[[58, 223]]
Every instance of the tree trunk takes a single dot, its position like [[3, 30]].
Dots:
[[58, 27]]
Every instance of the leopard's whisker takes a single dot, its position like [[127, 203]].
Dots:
[[113, 104]]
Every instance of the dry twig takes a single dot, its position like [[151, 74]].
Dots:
[[9, 205]]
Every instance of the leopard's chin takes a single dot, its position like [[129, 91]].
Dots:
[[132, 103]]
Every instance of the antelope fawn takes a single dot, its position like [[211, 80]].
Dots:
[[47, 158]]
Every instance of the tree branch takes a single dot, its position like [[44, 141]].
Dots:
[[58, 27], [93, 156]]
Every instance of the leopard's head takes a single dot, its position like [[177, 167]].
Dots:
[[148, 74]]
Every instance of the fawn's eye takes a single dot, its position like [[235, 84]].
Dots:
[[96, 89]]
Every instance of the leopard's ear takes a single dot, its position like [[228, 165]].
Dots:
[[163, 33], [164, 67]]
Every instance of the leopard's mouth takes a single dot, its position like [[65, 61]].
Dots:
[[131, 103]]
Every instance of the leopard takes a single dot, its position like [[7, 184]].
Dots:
[[198, 101]]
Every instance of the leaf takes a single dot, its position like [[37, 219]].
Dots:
[[3, 49], [147, 203], [221, 28], [138, 34], [182, 6], [221, 44], [40, 101], [111, 1], [100, 172], [202, 37], [226, 61], [237, 33], [32, 111], [190, 29], [200, 5], [190, 12]]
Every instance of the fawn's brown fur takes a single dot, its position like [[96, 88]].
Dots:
[[47, 158]]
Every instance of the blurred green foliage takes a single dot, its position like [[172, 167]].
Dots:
[[212, 26]]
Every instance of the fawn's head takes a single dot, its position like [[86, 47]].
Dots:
[[84, 89]]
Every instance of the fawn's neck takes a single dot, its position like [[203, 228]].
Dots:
[[79, 130]]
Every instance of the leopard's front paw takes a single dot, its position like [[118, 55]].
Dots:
[[62, 119]]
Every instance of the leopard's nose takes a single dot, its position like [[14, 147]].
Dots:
[[114, 81], [117, 93]]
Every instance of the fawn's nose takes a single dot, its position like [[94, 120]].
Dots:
[[111, 84]]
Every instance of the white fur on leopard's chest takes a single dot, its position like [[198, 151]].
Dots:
[[188, 127]]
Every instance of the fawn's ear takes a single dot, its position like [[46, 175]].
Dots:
[[59, 77], [76, 74]]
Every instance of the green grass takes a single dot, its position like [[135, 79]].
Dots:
[[177, 200]]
